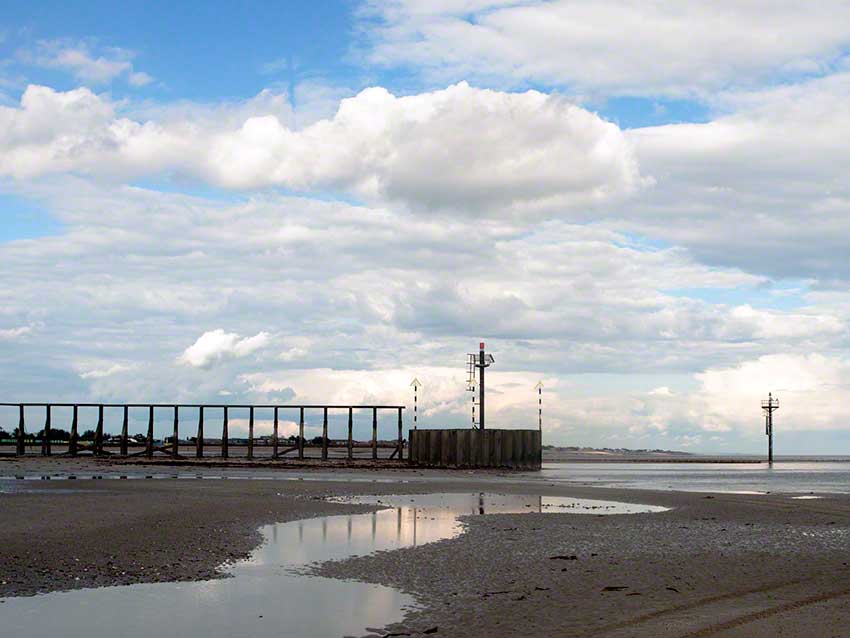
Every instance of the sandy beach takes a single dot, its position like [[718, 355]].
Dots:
[[713, 565]]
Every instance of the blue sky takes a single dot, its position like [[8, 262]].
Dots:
[[321, 201], [198, 50]]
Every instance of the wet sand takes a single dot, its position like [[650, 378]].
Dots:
[[727, 565]]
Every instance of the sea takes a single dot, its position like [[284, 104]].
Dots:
[[802, 476]]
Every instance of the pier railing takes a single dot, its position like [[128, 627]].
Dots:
[[170, 446]]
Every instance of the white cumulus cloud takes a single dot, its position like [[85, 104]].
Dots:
[[464, 149], [216, 345]]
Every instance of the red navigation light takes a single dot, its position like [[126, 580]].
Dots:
[[481, 346]]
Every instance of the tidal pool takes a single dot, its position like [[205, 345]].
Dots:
[[265, 597], [451, 505]]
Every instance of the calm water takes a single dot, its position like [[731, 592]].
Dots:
[[265, 597], [785, 476]]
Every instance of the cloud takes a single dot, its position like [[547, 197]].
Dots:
[[609, 46], [216, 345], [809, 387], [14, 333], [443, 390], [343, 321], [94, 371], [462, 149], [642, 305], [582, 294], [86, 66], [760, 187], [139, 78], [732, 191]]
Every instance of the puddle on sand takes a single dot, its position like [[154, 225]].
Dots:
[[265, 597], [262, 599], [451, 505]]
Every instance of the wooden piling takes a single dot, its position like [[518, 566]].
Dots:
[[400, 437], [274, 435], [325, 436], [170, 445], [72, 440], [98, 432], [149, 441], [45, 439], [224, 436], [350, 433], [199, 440], [175, 438], [125, 434], [251, 432], [20, 448], [374, 433], [301, 434]]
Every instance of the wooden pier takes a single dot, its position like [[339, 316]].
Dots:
[[170, 446]]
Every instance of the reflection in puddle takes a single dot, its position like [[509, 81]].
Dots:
[[451, 505], [265, 597]]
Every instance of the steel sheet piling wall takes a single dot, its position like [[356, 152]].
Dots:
[[516, 449]]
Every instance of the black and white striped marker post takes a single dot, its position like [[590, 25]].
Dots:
[[416, 384]]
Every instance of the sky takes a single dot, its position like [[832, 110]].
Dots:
[[645, 208]]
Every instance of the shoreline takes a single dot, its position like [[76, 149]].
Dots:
[[364, 461], [712, 559]]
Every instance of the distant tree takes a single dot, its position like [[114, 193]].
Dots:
[[5, 435], [88, 435], [56, 434], [316, 440]]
